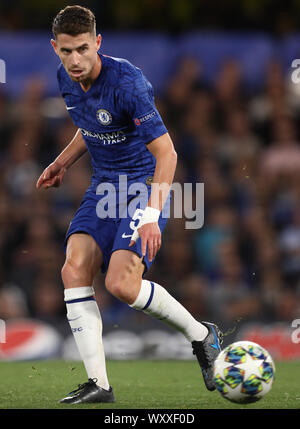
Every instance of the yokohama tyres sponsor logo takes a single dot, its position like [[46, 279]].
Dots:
[[105, 138]]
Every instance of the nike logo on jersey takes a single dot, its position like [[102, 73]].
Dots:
[[71, 107], [124, 235]]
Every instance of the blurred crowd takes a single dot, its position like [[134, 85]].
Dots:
[[243, 264], [164, 15]]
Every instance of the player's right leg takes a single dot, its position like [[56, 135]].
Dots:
[[124, 281], [83, 260]]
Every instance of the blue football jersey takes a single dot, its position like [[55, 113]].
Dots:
[[117, 117]]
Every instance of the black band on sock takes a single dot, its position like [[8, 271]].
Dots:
[[88, 298]]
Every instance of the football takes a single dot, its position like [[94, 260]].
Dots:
[[244, 372]]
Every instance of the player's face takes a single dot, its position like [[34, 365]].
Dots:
[[78, 54]]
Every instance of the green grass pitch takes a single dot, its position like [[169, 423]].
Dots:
[[138, 384]]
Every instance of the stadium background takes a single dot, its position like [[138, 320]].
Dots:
[[222, 76]]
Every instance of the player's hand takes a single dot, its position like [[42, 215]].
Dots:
[[52, 176], [150, 236]]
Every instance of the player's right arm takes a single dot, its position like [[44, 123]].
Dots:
[[53, 175]]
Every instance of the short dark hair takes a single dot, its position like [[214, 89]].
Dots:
[[74, 20]]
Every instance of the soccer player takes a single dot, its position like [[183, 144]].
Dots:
[[112, 104]]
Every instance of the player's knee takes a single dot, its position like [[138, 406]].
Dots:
[[69, 272], [121, 286], [115, 284], [124, 276], [75, 273]]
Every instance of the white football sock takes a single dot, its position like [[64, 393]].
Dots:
[[154, 300], [86, 324]]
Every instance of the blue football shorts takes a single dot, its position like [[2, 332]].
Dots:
[[110, 234]]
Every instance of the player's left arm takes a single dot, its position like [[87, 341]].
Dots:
[[163, 150]]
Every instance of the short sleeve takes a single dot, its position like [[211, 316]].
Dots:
[[138, 102]]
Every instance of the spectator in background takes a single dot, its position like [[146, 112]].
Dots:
[[180, 89], [21, 166], [46, 298], [194, 292], [283, 155], [228, 90], [231, 297], [289, 248], [219, 228], [238, 143], [13, 303], [272, 101]]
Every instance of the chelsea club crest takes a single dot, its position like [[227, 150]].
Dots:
[[104, 117]]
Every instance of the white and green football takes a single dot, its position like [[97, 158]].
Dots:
[[244, 372]]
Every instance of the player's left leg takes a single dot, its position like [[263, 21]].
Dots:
[[83, 260], [124, 281]]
